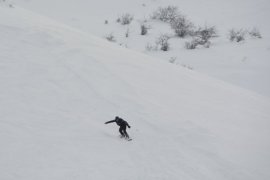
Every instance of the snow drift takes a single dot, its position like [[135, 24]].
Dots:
[[59, 86]]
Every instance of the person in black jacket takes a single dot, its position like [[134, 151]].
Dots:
[[123, 126]]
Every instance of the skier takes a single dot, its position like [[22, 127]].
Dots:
[[123, 125]]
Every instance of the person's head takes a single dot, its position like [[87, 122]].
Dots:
[[116, 117]]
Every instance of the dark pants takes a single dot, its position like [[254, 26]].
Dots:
[[123, 131]]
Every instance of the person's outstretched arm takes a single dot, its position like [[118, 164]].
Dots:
[[109, 121], [127, 124]]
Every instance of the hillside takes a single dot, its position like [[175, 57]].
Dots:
[[59, 85], [244, 64]]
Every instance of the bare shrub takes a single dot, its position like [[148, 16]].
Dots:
[[110, 37], [187, 66], [205, 34], [127, 33], [202, 37], [106, 22], [162, 42], [123, 45], [255, 33], [192, 44], [237, 35], [207, 44], [118, 20], [196, 42], [166, 14], [144, 29], [150, 47], [125, 19], [182, 26], [172, 60]]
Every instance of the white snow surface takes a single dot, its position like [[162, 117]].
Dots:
[[245, 64], [59, 85]]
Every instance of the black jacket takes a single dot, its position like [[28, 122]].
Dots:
[[119, 122]]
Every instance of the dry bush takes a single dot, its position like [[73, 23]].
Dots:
[[144, 29], [237, 35], [255, 33], [166, 14], [205, 34], [182, 26], [151, 47], [110, 37], [192, 44], [163, 42], [125, 19]]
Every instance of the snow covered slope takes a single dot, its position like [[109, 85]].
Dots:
[[59, 85], [244, 64]]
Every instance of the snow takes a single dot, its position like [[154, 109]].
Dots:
[[246, 64], [60, 84]]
